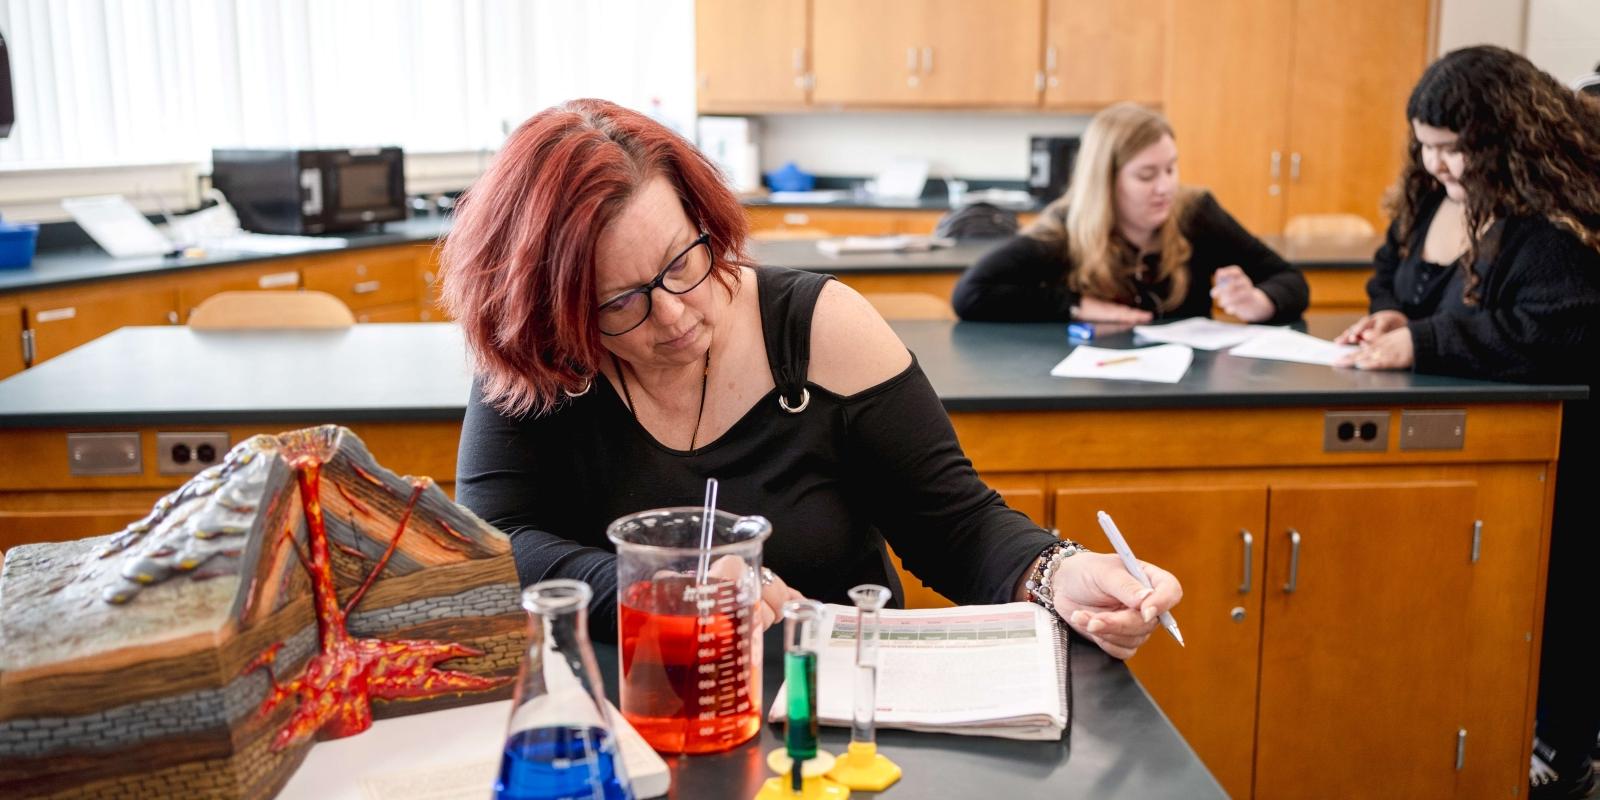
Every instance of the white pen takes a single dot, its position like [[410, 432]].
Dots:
[[1134, 569]]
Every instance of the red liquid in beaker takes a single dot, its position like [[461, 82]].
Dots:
[[690, 682]]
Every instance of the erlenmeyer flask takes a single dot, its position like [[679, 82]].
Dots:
[[560, 743]]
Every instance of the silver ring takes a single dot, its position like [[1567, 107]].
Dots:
[[767, 576], [805, 400]]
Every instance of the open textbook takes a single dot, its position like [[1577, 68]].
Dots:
[[997, 670]]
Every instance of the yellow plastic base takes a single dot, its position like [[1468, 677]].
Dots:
[[813, 785], [818, 788], [864, 768]]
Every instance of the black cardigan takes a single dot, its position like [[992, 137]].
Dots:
[[1024, 280], [1537, 319]]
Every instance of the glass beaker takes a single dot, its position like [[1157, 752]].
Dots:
[[560, 742], [691, 646]]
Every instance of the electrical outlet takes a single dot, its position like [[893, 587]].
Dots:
[[188, 453], [1361, 431]]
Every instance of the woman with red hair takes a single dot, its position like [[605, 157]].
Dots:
[[626, 350]]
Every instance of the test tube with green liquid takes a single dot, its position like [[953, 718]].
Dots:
[[802, 621]]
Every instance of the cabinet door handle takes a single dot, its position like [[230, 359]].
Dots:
[[927, 61], [366, 287], [56, 314], [1277, 164], [1249, 557], [278, 280], [172, 317], [1050, 59], [1294, 166], [911, 59], [1294, 562], [799, 59]]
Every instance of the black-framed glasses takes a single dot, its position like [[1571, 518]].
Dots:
[[681, 275]]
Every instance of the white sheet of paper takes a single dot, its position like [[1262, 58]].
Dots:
[[452, 754], [1164, 363], [1201, 333], [1287, 345], [903, 178], [117, 226]]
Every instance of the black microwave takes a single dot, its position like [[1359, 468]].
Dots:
[[311, 191]]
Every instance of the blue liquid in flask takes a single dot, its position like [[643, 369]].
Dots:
[[560, 763]]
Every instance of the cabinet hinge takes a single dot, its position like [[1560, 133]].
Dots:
[[1461, 748], [1477, 539], [27, 348]]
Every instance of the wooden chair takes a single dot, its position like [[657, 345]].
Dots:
[[910, 305], [260, 310], [1312, 226]]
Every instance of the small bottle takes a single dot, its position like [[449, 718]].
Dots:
[[560, 742]]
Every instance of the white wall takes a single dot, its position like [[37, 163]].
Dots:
[[1463, 23], [1563, 37], [962, 144]]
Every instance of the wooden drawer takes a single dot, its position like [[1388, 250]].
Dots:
[[10, 339], [280, 275], [364, 279], [399, 312], [62, 319], [809, 220]]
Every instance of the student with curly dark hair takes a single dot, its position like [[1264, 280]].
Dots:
[[1492, 270]]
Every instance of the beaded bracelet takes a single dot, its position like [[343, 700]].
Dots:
[[1050, 558]]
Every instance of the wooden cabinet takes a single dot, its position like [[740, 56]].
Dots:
[[1355, 62], [62, 319], [1212, 538], [1098, 52], [868, 53], [792, 221], [1343, 601], [979, 53], [927, 53], [1306, 624], [368, 279], [11, 355], [1287, 108], [751, 56], [397, 312], [277, 275]]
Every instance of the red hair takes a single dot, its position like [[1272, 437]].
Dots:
[[517, 268]]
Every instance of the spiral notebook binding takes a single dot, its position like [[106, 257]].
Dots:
[[1064, 670]]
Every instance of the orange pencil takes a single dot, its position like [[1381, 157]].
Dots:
[[1110, 361]]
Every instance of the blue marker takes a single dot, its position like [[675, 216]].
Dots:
[[1079, 332]]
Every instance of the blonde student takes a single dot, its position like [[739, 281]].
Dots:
[[1127, 243]]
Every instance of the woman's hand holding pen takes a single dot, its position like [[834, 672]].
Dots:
[[1238, 295], [1371, 327], [1093, 309], [1097, 596], [1392, 350]]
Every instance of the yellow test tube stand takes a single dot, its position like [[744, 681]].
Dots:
[[802, 620], [863, 767]]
